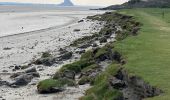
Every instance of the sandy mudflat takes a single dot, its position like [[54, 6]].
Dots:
[[42, 31]]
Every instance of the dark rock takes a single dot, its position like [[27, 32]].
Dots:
[[7, 48], [86, 45], [135, 30], [103, 40], [76, 30], [62, 51], [69, 74], [2, 83], [34, 74], [30, 70], [4, 71], [94, 45], [136, 88], [80, 21], [45, 61], [41, 69], [16, 74], [17, 67], [66, 56], [21, 80], [52, 90], [81, 51], [116, 56], [117, 84], [66, 74]]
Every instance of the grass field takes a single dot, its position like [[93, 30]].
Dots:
[[148, 54]]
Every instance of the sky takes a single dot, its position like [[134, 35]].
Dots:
[[76, 2]]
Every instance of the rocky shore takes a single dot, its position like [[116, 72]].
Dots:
[[89, 68]]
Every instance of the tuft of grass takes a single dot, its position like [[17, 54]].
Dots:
[[77, 66], [48, 84]]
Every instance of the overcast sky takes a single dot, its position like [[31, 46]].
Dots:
[[76, 2]]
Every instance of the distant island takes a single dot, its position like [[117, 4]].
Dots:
[[66, 3], [140, 4]]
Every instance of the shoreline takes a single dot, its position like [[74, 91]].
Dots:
[[72, 22], [21, 49]]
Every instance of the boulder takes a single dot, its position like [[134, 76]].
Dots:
[[21, 80]]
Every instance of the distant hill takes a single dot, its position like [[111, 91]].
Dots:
[[66, 3], [140, 4]]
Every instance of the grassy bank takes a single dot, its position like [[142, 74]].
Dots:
[[148, 54], [144, 53]]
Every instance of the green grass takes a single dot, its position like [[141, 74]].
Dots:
[[101, 89], [77, 66], [46, 85], [148, 54]]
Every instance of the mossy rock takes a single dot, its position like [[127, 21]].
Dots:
[[84, 80], [53, 86], [45, 55], [88, 55], [77, 66]]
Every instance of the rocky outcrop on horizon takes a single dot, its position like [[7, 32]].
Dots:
[[66, 3]]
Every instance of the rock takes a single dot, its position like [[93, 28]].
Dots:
[[2, 83], [7, 48], [4, 71], [135, 30], [62, 51], [103, 40], [116, 56], [80, 21], [66, 56], [81, 51], [94, 45], [50, 86], [86, 45], [41, 69], [30, 70], [66, 74], [84, 80], [45, 61], [14, 75], [69, 74], [21, 80], [17, 67], [117, 84], [76, 30]]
